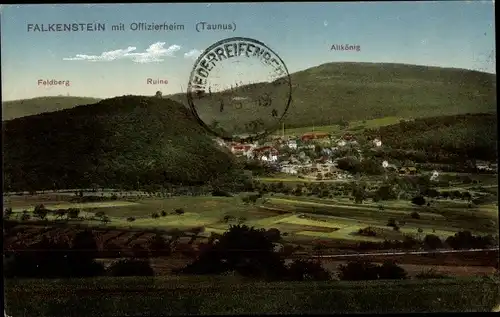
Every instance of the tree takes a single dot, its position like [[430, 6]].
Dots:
[[73, 213], [40, 212], [359, 194], [25, 217], [105, 220], [246, 250], [385, 192], [274, 234], [304, 270], [431, 192], [358, 271], [52, 258], [130, 219], [179, 211], [432, 242], [82, 257], [418, 200], [158, 94], [60, 213], [419, 233], [343, 124], [163, 213], [392, 222], [415, 215], [349, 164], [155, 215], [467, 196]]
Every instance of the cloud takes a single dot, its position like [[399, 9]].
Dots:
[[193, 54], [154, 53]]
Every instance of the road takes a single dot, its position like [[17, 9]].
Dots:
[[333, 256]]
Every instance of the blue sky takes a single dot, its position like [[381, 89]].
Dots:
[[456, 34]]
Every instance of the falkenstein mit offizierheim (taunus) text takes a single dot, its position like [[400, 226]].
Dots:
[[134, 26]]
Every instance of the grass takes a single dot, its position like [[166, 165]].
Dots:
[[231, 295], [92, 205], [324, 94], [335, 129], [295, 179], [338, 218], [299, 216]]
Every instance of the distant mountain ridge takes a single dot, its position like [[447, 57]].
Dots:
[[324, 94], [28, 107]]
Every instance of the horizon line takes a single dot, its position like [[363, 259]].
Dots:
[[298, 71]]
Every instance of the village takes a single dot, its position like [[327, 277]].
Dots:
[[313, 155]]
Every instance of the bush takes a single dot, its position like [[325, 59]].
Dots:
[[130, 219], [155, 215], [303, 270], [221, 193], [273, 234], [179, 211], [358, 271], [52, 258], [163, 213], [418, 200], [130, 267], [25, 217], [245, 250], [415, 215], [368, 231], [8, 212], [392, 222], [73, 213], [432, 242], [362, 270], [465, 240]]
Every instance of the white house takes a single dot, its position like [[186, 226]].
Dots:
[[292, 144], [341, 143], [377, 142], [289, 169]]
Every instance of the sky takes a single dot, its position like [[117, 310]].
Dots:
[[103, 64]]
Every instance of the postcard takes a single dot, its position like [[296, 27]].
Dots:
[[249, 158]]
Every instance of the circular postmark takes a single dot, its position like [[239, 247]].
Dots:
[[239, 88]]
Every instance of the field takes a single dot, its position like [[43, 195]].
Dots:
[[335, 129], [232, 295], [298, 218]]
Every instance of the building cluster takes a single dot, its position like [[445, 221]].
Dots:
[[288, 154]]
